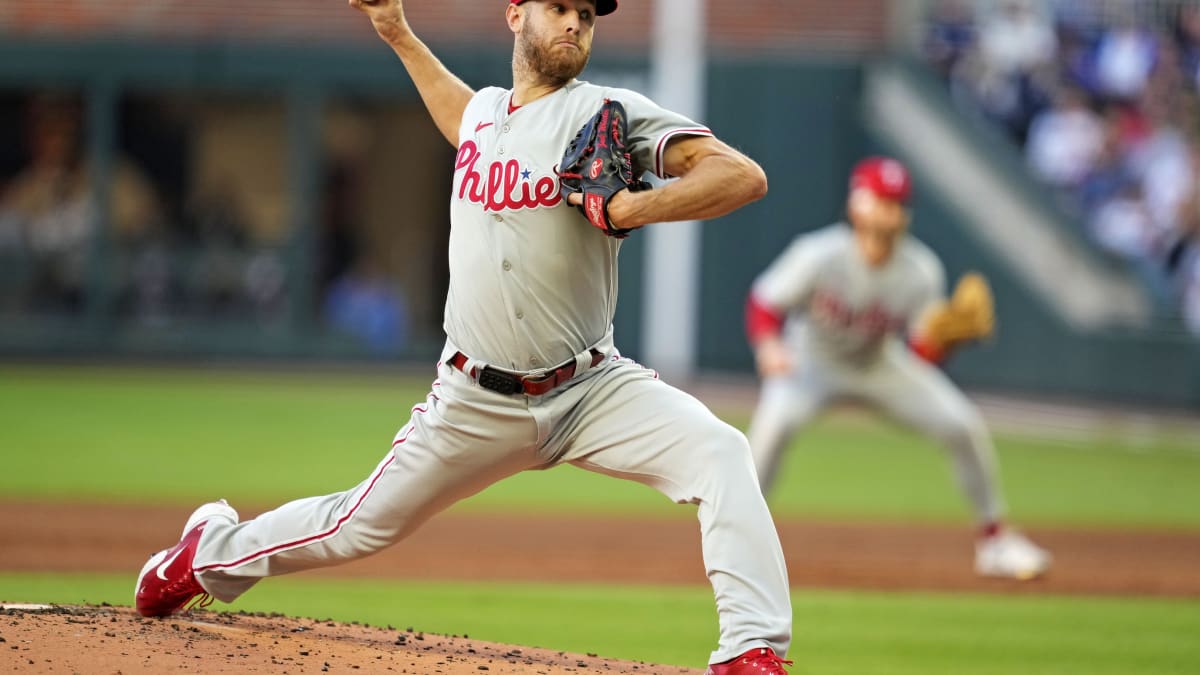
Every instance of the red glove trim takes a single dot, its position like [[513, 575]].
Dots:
[[927, 351], [761, 320]]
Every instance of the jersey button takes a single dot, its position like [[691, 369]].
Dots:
[[505, 128], [534, 362], [520, 314], [507, 266], [500, 150], [498, 218]]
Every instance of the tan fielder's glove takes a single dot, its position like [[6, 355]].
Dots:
[[968, 315]]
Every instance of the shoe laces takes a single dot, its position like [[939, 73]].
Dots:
[[767, 661], [199, 602], [195, 595]]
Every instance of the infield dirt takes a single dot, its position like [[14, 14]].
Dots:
[[55, 537]]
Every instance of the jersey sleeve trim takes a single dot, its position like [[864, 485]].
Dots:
[[928, 351], [661, 148], [762, 320]]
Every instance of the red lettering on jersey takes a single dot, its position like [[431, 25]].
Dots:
[[495, 193], [873, 322]]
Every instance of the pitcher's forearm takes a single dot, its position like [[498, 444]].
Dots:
[[714, 187], [444, 94]]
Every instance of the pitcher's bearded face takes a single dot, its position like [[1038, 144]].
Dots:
[[557, 55]]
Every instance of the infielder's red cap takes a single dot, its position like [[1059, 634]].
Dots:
[[602, 6], [884, 176]]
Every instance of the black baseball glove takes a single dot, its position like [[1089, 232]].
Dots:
[[597, 165]]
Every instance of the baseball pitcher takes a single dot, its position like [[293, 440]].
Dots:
[[857, 310], [545, 189]]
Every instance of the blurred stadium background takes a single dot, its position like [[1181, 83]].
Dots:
[[201, 179]]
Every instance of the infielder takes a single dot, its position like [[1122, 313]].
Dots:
[[529, 377], [830, 318]]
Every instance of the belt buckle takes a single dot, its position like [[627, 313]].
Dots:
[[500, 381]]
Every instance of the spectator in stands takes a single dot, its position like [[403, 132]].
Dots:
[[1018, 38], [1122, 226], [949, 35], [364, 304], [1109, 175], [1065, 141], [1131, 174], [1125, 57], [1079, 21], [1018, 50], [1162, 161], [52, 203], [216, 231]]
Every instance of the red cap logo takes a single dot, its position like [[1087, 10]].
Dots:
[[884, 176]]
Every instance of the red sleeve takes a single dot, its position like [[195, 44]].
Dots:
[[927, 350], [761, 320]]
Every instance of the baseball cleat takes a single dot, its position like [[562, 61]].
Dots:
[[1011, 555], [757, 661], [166, 583]]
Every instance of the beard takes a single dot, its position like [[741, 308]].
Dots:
[[555, 66]]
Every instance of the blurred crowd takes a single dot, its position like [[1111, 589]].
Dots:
[[176, 248], [1104, 98]]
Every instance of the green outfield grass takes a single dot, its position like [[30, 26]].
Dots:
[[258, 437], [837, 633], [261, 437]]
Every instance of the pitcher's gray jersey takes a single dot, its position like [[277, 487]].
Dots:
[[529, 377], [836, 305], [531, 282], [533, 285]]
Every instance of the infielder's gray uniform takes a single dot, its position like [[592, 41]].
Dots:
[[533, 286], [845, 322]]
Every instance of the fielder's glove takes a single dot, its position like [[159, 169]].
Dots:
[[597, 165], [968, 315]]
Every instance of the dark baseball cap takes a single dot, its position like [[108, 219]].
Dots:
[[602, 6]]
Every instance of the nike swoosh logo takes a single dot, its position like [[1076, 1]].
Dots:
[[167, 563], [482, 125]]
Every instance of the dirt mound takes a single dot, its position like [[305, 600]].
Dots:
[[65, 538], [105, 639]]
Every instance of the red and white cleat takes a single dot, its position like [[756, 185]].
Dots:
[[758, 661], [166, 584]]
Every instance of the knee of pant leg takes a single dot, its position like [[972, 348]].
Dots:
[[723, 452], [962, 432]]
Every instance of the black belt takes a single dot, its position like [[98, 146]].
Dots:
[[504, 382]]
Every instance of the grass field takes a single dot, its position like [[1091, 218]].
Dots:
[[112, 434], [108, 434]]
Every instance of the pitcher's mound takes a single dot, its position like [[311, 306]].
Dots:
[[65, 639]]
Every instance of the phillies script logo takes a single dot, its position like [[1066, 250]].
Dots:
[[504, 186], [873, 321]]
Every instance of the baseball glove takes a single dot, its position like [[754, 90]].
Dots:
[[597, 165], [968, 315]]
